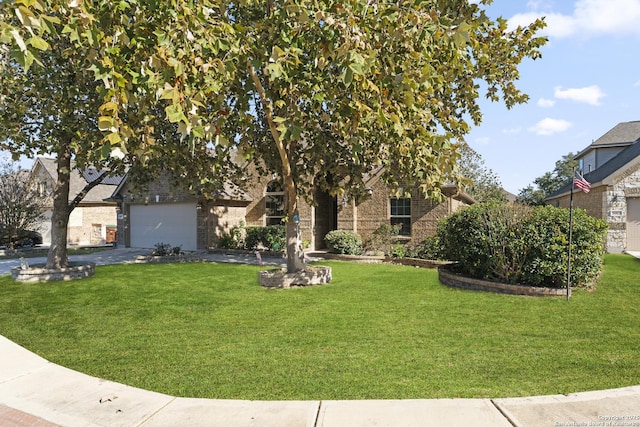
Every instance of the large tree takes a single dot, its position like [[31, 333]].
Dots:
[[62, 106], [52, 108], [549, 182], [322, 91], [482, 183]]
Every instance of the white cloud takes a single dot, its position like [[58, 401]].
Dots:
[[550, 126], [546, 103], [588, 18], [484, 140], [637, 84], [589, 95]]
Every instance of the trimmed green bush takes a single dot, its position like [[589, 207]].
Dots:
[[521, 244], [344, 242]]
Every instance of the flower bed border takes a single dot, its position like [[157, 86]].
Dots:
[[373, 259], [37, 273], [452, 280], [167, 259]]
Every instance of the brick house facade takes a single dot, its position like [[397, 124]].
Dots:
[[143, 218], [612, 167]]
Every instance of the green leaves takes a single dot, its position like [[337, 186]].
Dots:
[[385, 85]]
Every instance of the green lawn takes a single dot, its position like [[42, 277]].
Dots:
[[375, 332]]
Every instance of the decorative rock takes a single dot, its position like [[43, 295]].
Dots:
[[279, 278], [37, 273]]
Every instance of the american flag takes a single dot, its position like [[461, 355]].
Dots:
[[581, 183]]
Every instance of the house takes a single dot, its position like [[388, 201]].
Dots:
[[611, 164], [165, 214], [93, 221]]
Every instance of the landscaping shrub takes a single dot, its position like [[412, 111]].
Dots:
[[428, 248], [383, 238], [271, 237], [521, 244], [235, 239], [344, 242]]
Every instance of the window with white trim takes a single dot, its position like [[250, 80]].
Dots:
[[401, 214], [274, 203]]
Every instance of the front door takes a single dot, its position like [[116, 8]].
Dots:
[[326, 217]]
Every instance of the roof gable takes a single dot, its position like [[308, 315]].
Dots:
[[79, 179], [622, 133], [606, 171]]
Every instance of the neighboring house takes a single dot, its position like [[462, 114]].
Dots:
[[164, 214], [611, 164], [93, 221]]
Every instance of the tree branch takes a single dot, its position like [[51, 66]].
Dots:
[[76, 200]]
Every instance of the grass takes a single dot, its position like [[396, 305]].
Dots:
[[375, 332]]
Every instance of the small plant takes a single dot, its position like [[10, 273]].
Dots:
[[166, 249], [235, 239], [272, 237], [161, 249], [384, 237], [344, 242], [397, 251]]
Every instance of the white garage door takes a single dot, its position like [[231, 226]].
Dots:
[[633, 224], [174, 224]]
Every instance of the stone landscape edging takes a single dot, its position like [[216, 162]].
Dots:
[[453, 280], [37, 273], [279, 278]]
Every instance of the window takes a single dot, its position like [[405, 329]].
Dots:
[[274, 203], [401, 214]]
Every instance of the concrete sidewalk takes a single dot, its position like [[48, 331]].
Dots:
[[35, 392]]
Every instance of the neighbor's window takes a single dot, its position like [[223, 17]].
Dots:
[[274, 203], [401, 214]]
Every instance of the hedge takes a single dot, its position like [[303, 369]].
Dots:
[[521, 244], [344, 242]]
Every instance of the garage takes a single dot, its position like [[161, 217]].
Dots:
[[633, 224], [174, 224]]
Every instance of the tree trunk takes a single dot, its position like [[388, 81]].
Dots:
[[294, 250], [57, 257]]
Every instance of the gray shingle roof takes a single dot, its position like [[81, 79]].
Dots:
[[606, 170], [625, 132], [80, 179]]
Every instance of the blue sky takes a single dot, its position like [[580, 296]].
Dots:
[[587, 81]]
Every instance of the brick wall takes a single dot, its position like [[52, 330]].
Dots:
[[374, 210]]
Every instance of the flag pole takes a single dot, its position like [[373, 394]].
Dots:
[[573, 179]]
